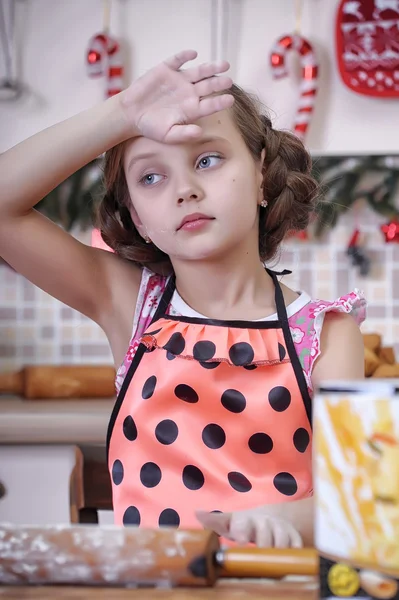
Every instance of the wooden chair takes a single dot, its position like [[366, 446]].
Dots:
[[90, 486]]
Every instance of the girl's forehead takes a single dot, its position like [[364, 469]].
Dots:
[[219, 127]]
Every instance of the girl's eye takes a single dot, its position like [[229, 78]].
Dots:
[[209, 161], [150, 179]]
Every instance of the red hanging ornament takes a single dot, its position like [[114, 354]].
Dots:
[[367, 46], [104, 58], [302, 235], [356, 253], [391, 231], [354, 239], [309, 79]]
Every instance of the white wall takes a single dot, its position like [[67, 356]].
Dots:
[[54, 35]]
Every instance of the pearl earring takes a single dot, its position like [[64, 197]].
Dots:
[[147, 240], [264, 203]]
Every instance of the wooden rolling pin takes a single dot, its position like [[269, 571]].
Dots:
[[118, 556], [64, 381]]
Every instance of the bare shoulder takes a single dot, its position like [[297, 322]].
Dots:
[[342, 349]]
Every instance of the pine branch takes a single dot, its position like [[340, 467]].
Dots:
[[74, 201]]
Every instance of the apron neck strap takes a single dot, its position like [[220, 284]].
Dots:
[[278, 296]]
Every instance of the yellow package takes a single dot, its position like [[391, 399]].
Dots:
[[356, 485]]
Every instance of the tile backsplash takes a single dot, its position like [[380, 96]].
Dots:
[[36, 329]]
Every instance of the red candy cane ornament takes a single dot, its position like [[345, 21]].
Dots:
[[309, 76], [104, 58]]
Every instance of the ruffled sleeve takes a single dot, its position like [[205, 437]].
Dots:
[[150, 293], [309, 322]]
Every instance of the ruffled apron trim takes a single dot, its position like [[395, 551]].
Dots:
[[209, 343]]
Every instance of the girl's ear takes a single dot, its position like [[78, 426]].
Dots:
[[262, 160], [260, 175]]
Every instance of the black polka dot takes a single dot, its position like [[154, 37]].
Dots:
[[170, 356], [239, 482], [150, 474], [204, 350], [279, 398], [129, 429], [193, 477], [241, 354], [131, 516], [209, 365], [260, 443], [176, 344], [285, 483], [169, 518], [166, 431], [250, 367], [213, 436], [301, 439], [186, 393], [233, 401], [117, 472], [149, 387], [281, 351]]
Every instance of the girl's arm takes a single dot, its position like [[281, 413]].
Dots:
[[342, 350], [161, 105], [78, 275]]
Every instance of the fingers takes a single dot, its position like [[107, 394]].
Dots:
[[264, 531], [206, 70], [177, 60], [213, 104], [242, 528], [296, 539], [285, 535], [212, 85], [218, 522], [207, 106], [281, 537], [264, 534], [182, 133]]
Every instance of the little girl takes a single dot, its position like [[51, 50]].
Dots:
[[212, 423]]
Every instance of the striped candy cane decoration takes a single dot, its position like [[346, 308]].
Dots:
[[104, 58], [309, 82]]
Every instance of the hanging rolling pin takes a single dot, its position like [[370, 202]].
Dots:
[[60, 382]]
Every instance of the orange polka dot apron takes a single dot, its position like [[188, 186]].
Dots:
[[212, 415]]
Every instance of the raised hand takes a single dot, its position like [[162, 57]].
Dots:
[[166, 101]]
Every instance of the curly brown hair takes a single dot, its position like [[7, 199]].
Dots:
[[288, 187]]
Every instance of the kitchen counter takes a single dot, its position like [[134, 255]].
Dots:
[[54, 421], [224, 590]]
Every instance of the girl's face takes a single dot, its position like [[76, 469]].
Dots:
[[214, 176]]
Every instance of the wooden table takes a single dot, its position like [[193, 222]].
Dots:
[[224, 590]]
